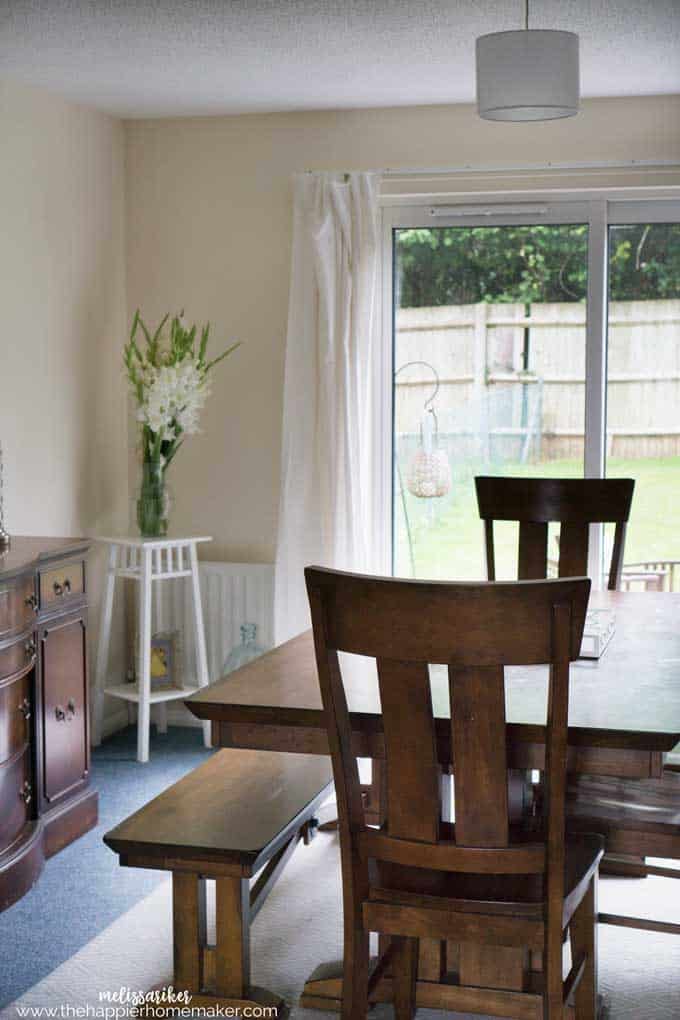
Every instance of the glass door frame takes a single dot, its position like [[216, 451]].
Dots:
[[599, 210]]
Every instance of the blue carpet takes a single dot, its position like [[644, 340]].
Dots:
[[83, 888]]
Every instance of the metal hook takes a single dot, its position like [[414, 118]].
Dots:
[[427, 406]]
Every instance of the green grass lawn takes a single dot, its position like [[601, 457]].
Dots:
[[447, 535]]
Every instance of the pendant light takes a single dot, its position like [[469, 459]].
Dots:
[[530, 74]]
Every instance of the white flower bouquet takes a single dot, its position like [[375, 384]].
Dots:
[[169, 376]]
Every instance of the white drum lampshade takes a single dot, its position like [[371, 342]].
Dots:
[[530, 74]]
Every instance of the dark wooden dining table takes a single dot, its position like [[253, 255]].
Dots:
[[624, 718]]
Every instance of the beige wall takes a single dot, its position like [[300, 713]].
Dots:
[[63, 315], [62, 281], [208, 228]]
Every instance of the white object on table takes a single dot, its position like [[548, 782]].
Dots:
[[597, 632], [146, 560]]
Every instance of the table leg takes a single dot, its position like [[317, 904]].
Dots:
[[144, 659], [493, 966], [432, 960], [372, 797]]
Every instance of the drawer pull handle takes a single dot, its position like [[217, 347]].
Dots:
[[26, 792], [25, 708], [32, 603], [60, 713], [29, 648], [62, 589], [71, 707]]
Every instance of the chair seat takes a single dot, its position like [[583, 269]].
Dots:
[[517, 895], [606, 805]]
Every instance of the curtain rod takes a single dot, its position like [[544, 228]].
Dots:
[[513, 168], [632, 164]]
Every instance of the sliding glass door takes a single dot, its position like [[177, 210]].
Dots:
[[499, 347], [643, 388]]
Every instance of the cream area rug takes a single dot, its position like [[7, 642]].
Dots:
[[300, 926]]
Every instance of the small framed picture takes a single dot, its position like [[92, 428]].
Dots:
[[165, 661]]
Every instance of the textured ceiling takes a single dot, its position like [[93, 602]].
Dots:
[[138, 58]]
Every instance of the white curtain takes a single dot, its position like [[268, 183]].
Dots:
[[329, 513]]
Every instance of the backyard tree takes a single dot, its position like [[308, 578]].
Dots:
[[465, 265]]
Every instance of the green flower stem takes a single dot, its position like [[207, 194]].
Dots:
[[152, 502]]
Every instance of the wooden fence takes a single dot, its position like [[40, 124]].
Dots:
[[537, 361]]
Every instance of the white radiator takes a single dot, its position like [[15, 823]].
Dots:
[[232, 594]]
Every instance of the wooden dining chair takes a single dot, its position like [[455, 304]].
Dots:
[[638, 818], [574, 503], [489, 879]]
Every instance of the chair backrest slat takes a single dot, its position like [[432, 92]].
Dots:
[[413, 771], [573, 561], [478, 737], [574, 503], [533, 551]]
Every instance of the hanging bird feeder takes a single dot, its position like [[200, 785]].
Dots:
[[428, 474]]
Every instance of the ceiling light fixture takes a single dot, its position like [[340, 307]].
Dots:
[[530, 74]]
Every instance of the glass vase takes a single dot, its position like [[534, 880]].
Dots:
[[245, 652], [153, 501]]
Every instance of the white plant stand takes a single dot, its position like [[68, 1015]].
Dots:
[[146, 560]]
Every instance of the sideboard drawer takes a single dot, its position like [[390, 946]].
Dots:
[[16, 796], [15, 711], [17, 604], [60, 584], [16, 657]]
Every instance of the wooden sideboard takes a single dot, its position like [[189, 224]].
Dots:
[[45, 798]]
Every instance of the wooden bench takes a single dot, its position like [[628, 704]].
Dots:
[[240, 813]]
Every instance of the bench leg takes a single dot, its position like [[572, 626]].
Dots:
[[188, 930], [232, 951], [216, 975]]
